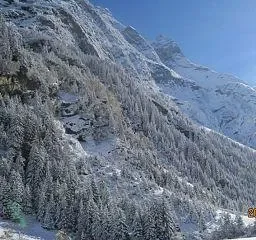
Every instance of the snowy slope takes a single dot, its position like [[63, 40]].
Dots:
[[172, 56], [218, 101], [220, 212], [94, 31]]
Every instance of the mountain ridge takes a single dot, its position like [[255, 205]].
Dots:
[[174, 70], [89, 141]]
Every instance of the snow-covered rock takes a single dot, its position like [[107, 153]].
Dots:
[[135, 39], [218, 101]]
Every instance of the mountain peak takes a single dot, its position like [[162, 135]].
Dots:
[[166, 48], [163, 39], [140, 43]]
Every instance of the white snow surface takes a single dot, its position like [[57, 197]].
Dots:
[[159, 191], [229, 109], [67, 97], [31, 231], [218, 101], [102, 148], [186, 182], [249, 238], [211, 226], [75, 146], [247, 221]]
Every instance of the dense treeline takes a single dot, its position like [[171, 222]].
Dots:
[[230, 227], [206, 158], [172, 173]]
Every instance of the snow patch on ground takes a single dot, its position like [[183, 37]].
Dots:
[[186, 182], [31, 231], [159, 191], [102, 148], [249, 238], [74, 145], [67, 97], [118, 172], [247, 221], [188, 227], [175, 75], [211, 226]]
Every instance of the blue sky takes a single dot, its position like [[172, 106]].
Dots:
[[220, 34]]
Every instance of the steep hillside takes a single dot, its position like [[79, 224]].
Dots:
[[218, 101], [90, 145]]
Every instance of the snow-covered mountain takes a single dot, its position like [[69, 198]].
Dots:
[[219, 101], [94, 139]]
